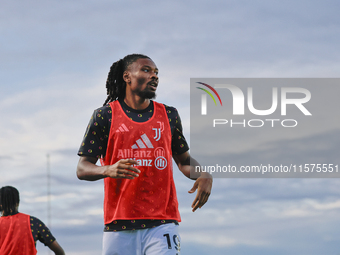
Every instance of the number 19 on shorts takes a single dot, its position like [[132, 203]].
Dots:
[[173, 242]]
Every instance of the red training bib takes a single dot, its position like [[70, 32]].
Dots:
[[152, 195]]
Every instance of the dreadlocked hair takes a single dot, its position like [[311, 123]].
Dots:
[[9, 199], [115, 84]]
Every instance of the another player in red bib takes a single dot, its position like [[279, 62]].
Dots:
[[20, 232], [136, 139]]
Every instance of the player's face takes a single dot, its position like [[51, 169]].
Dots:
[[143, 78]]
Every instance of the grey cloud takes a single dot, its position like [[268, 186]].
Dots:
[[62, 45]]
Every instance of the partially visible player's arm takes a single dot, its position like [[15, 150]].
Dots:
[[56, 248], [187, 164], [203, 183], [89, 171]]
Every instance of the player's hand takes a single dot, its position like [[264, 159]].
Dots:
[[122, 169], [203, 186]]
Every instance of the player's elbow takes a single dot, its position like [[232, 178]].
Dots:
[[87, 169], [81, 170], [80, 173]]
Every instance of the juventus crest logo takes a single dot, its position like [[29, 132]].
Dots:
[[158, 131]]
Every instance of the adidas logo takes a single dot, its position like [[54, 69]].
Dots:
[[122, 128], [142, 143]]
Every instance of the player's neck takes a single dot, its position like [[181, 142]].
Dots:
[[10, 214], [137, 103]]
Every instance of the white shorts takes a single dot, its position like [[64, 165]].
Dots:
[[160, 240]]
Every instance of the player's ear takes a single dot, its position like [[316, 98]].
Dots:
[[126, 77]]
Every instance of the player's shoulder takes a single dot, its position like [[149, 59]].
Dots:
[[172, 114], [36, 220], [103, 109], [102, 113], [170, 109]]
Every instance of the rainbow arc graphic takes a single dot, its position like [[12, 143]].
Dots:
[[204, 97]]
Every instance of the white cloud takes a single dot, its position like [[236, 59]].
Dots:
[[55, 58]]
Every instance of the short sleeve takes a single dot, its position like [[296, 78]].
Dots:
[[41, 232], [179, 144], [95, 140]]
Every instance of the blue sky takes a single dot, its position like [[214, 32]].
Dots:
[[54, 59]]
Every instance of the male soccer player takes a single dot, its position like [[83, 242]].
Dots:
[[20, 232], [136, 139]]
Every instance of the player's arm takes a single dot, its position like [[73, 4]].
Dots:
[[186, 165], [56, 248], [44, 235], [89, 171], [203, 183]]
